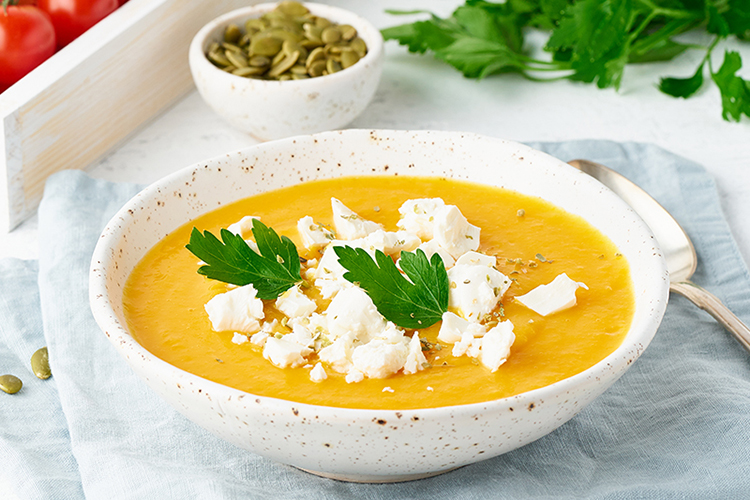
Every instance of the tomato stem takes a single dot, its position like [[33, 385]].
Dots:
[[6, 3]]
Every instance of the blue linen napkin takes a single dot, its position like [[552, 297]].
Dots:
[[677, 425]]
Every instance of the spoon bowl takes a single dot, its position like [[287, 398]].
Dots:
[[676, 246]]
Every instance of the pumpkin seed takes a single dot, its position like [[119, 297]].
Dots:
[[330, 35], [317, 54], [265, 45], [40, 363], [249, 71], [298, 69], [347, 32], [284, 65], [232, 33], [236, 59], [255, 25], [234, 48], [259, 61], [317, 68], [322, 22], [284, 78], [218, 58], [349, 58], [292, 8], [299, 77], [359, 46], [332, 66], [10, 384]]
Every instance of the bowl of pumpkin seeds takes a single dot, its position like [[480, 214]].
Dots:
[[282, 69]]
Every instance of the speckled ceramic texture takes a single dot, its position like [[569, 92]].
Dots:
[[272, 109], [400, 445]]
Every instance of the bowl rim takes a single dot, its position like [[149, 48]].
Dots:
[[617, 361], [374, 41]]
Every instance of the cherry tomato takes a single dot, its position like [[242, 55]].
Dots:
[[72, 17], [27, 39]]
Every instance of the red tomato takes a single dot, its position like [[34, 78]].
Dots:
[[27, 39], [72, 17]]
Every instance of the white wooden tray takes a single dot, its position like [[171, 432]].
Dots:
[[85, 100]]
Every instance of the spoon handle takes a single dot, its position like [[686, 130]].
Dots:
[[713, 306]]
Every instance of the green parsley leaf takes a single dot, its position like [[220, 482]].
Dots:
[[735, 92], [683, 87], [272, 272], [418, 303]]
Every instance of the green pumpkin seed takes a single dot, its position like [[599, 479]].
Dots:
[[284, 78], [40, 363], [237, 60], [316, 69], [232, 33], [285, 24], [299, 77], [330, 35], [259, 61], [348, 59], [312, 32], [219, 59], [278, 58], [10, 384], [284, 65], [298, 69], [332, 66], [255, 25], [292, 8], [249, 71], [310, 44], [234, 48], [322, 22], [261, 45], [347, 32], [358, 45], [289, 47], [317, 54]]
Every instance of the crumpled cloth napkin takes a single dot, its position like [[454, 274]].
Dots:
[[677, 425]]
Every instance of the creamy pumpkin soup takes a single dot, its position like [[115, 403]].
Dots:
[[411, 293]]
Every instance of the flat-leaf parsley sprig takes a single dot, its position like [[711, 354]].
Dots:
[[590, 41], [272, 271], [414, 304]]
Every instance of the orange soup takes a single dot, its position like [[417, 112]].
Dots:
[[533, 240]]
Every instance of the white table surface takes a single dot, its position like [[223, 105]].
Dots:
[[418, 92]]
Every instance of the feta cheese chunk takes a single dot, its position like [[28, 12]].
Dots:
[[295, 304], [352, 311], [452, 327], [339, 354], [390, 243], [348, 224], [476, 259], [432, 247], [558, 295], [453, 232], [415, 359], [244, 226], [496, 345], [239, 339], [313, 234], [354, 376], [318, 373], [285, 353], [259, 338], [237, 309], [379, 359], [475, 290], [417, 216], [468, 345]]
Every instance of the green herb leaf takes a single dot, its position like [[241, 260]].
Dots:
[[683, 87], [418, 303], [272, 272], [735, 92]]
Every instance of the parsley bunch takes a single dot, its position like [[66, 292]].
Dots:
[[590, 41]]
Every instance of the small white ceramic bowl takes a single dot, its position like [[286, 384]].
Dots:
[[271, 109], [401, 445]]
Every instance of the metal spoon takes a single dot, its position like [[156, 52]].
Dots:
[[674, 242]]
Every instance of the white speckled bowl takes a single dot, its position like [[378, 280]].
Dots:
[[273, 110], [401, 445]]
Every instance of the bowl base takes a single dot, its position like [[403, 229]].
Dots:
[[366, 478]]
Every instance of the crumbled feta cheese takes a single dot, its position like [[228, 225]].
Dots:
[[465, 344], [431, 247], [452, 327], [285, 353], [295, 304], [390, 243], [475, 290], [496, 345], [388, 389], [415, 359], [259, 339], [313, 235], [239, 339], [354, 376], [269, 327], [348, 224], [301, 335], [318, 373], [553, 297], [339, 354], [352, 311], [417, 216], [244, 226], [237, 309], [476, 259], [454, 233], [430, 388], [312, 262], [391, 333], [379, 359]]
